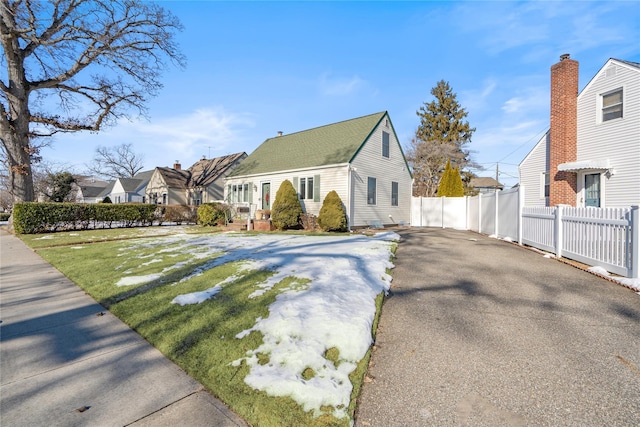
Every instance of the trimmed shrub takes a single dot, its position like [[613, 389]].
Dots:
[[4, 216], [29, 218], [107, 199], [333, 216], [211, 214], [180, 214], [286, 209]]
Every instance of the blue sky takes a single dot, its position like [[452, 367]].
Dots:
[[256, 68]]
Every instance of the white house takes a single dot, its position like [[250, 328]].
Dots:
[[361, 159], [127, 190], [591, 154]]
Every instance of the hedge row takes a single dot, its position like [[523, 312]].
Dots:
[[30, 218]]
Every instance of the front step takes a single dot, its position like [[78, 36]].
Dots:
[[236, 226]]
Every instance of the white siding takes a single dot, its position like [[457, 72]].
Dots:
[[331, 178], [118, 195], [369, 162], [617, 140], [531, 172]]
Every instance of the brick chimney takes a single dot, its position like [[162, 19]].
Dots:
[[177, 166], [563, 136]]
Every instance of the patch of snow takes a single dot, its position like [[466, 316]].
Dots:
[[508, 239], [196, 297], [548, 256], [77, 247], [493, 236], [73, 234], [153, 261], [137, 280], [47, 237], [632, 283], [335, 306], [598, 270]]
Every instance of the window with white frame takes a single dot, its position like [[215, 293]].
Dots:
[[371, 191], [385, 144], [245, 192], [612, 105], [545, 184], [394, 193], [306, 188], [234, 193]]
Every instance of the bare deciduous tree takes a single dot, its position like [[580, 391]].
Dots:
[[116, 162], [76, 65]]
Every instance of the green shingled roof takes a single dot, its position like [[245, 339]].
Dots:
[[325, 145]]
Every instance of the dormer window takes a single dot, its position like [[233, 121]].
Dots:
[[612, 105]]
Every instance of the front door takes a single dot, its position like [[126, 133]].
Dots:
[[266, 195], [592, 190]]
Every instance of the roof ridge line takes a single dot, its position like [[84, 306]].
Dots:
[[330, 124]]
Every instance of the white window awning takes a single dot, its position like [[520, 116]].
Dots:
[[602, 164]]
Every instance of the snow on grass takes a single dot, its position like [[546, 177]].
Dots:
[[46, 237], [197, 297], [330, 304], [138, 280]]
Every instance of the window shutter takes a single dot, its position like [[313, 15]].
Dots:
[[316, 188], [295, 186], [251, 192]]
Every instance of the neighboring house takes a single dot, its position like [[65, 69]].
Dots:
[[361, 159], [88, 189], [591, 154], [485, 185], [106, 192], [201, 183], [128, 190], [208, 176]]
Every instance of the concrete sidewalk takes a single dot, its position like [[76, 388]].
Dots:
[[480, 332], [65, 360]]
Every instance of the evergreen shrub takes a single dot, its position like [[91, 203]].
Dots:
[[211, 214], [30, 218], [333, 216], [286, 209]]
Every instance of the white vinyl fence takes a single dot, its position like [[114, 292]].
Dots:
[[608, 238]]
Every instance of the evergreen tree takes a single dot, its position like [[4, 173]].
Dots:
[[58, 187], [451, 182], [332, 215], [441, 135], [444, 184], [286, 209], [456, 185]]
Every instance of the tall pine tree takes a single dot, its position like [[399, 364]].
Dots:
[[442, 135]]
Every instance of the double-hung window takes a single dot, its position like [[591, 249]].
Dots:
[[306, 188], [245, 192], [385, 144], [612, 105], [371, 191]]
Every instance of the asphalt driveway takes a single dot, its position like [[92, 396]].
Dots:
[[481, 332]]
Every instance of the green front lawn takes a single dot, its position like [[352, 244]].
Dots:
[[200, 338]]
